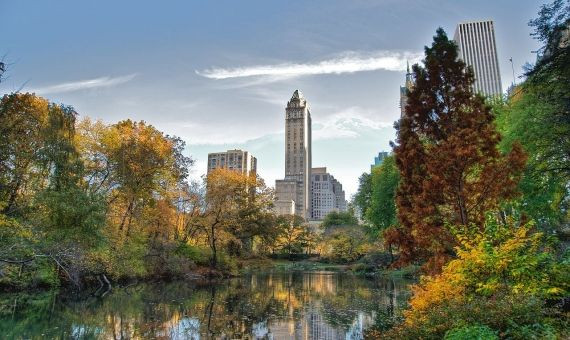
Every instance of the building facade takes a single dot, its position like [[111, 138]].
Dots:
[[297, 183], [477, 48], [236, 160], [404, 90], [379, 159], [327, 194]]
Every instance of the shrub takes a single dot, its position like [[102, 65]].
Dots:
[[362, 268], [501, 279], [345, 244], [377, 259], [198, 255], [471, 333]]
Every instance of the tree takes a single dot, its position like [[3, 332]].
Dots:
[[237, 207], [345, 244], [524, 118], [24, 118], [548, 83], [2, 70], [141, 173], [451, 171], [362, 197], [145, 167], [55, 219], [294, 234], [382, 210], [537, 114], [339, 218]]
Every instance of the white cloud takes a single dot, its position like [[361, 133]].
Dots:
[[346, 124], [348, 62], [84, 84]]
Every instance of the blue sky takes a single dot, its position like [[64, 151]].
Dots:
[[219, 73]]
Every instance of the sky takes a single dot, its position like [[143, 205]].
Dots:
[[218, 74]]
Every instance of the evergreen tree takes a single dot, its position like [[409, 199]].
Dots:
[[452, 172]]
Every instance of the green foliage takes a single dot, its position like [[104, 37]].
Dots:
[[382, 210], [294, 235], [198, 255], [362, 197], [477, 332], [345, 244], [501, 279], [526, 118], [339, 218]]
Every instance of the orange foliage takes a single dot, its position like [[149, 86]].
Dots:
[[451, 170]]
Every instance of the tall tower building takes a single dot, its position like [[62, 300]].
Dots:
[[404, 90], [477, 48], [297, 183]]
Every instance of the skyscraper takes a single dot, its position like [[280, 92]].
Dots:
[[404, 90], [237, 160], [378, 160], [477, 48], [297, 183], [326, 194]]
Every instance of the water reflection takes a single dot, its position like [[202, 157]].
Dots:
[[261, 306]]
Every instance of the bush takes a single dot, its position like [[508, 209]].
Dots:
[[471, 333], [518, 316], [363, 268], [501, 279], [377, 259], [345, 244], [198, 255]]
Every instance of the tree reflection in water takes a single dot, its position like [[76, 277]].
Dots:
[[268, 306]]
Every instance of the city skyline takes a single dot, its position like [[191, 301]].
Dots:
[[196, 66]]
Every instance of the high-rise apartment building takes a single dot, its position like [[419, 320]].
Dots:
[[477, 48], [236, 160], [297, 183], [327, 194]]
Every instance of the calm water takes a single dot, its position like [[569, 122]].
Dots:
[[260, 306]]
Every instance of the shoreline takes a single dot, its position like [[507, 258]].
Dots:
[[205, 275]]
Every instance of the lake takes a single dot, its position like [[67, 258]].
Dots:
[[293, 305]]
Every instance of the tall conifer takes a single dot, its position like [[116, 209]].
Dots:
[[452, 172]]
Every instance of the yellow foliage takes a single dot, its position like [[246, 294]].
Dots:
[[500, 259]]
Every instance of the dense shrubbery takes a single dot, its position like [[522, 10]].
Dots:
[[501, 280]]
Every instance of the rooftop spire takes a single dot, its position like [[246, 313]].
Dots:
[[408, 66], [297, 95]]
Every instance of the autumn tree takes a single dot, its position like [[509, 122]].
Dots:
[[145, 166], [237, 208], [50, 220], [24, 118], [451, 171], [141, 173], [294, 234]]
